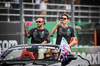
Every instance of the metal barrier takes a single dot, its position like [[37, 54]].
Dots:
[[82, 13]]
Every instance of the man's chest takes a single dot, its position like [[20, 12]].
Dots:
[[39, 33], [63, 31]]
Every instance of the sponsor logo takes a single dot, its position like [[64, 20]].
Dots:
[[8, 43], [93, 58], [47, 47], [20, 47]]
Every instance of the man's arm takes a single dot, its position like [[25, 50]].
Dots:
[[55, 28], [73, 41], [44, 42], [46, 38], [26, 33]]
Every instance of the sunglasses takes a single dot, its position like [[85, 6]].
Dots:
[[63, 18], [54, 53], [39, 21]]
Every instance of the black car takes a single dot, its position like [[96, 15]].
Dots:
[[39, 54]]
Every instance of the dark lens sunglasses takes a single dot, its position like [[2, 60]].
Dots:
[[63, 18], [39, 21], [54, 53]]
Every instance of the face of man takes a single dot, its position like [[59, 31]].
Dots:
[[65, 20], [39, 22], [54, 53]]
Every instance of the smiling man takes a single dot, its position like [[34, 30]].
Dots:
[[39, 34], [54, 53], [64, 30]]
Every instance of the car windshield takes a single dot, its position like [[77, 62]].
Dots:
[[32, 52]]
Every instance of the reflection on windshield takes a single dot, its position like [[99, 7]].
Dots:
[[32, 54]]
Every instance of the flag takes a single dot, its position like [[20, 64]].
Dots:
[[1, 52], [64, 44]]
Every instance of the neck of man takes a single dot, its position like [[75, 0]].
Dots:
[[40, 27], [64, 25]]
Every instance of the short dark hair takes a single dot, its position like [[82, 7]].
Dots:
[[65, 14], [43, 20]]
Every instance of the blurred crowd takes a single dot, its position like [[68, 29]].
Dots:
[[83, 2], [43, 4]]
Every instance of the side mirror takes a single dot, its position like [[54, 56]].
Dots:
[[72, 57], [69, 58]]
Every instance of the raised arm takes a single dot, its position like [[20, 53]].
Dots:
[[26, 33], [55, 28]]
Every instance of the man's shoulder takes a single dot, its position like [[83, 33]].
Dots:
[[70, 27], [59, 26], [33, 28], [45, 29]]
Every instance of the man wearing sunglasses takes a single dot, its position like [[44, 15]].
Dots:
[[54, 53], [64, 30], [38, 34]]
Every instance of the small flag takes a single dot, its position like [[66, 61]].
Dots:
[[64, 44], [1, 52]]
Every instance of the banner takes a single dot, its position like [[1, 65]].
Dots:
[[90, 53]]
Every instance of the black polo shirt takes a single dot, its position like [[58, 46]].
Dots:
[[39, 35], [67, 33]]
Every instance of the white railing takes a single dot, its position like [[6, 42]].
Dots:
[[83, 13]]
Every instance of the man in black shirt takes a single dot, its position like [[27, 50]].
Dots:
[[64, 30], [38, 34]]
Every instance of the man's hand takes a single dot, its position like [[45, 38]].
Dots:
[[70, 45], [26, 25], [26, 33], [60, 21], [44, 42]]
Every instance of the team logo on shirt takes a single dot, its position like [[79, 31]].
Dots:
[[42, 31], [41, 34], [68, 32], [64, 32], [35, 33], [68, 29]]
